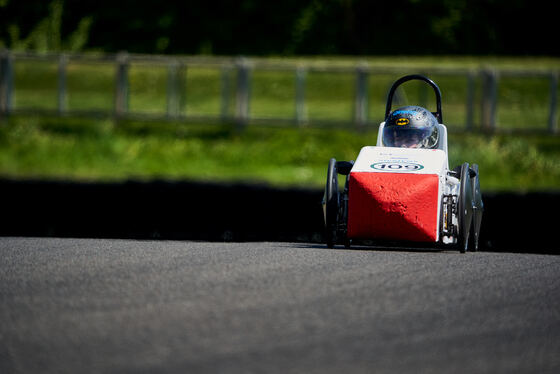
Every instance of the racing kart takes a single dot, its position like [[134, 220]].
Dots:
[[404, 195]]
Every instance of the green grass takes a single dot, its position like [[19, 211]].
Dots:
[[93, 149], [96, 150]]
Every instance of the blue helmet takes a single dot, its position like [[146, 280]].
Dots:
[[411, 127]]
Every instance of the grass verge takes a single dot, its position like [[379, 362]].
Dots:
[[97, 150]]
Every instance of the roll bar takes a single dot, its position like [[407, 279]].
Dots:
[[407, 78]]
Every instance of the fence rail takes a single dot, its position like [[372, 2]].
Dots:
[[481, 100]]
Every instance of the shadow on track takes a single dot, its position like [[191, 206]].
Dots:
[[186, 210], [375, 248]]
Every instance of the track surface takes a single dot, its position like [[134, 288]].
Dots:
[[81, 306]]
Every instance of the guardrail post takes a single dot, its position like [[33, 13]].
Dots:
[[242, 93], [6, 83], [552, 115], [174, 86], [489, 99], [61, 83], [225, 92], [470, 101], [121, 85], [301, 115], [360, 107]]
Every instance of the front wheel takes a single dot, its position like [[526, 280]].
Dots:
[[331, 204], [465, 208], [478, 207]]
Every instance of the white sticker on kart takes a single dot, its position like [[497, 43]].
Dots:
[[397, 166], [400, 160]]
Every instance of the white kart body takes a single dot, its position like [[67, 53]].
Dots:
[[397, 193]]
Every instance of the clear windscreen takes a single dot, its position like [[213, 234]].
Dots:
[[407, 137]]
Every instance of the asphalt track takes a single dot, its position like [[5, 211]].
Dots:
[[125, 306]]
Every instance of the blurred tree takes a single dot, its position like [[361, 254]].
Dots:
[[46, 34], [289, 27]]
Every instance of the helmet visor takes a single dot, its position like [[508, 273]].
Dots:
[[407, 137]]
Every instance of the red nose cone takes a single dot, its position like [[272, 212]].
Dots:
[[393, 206]]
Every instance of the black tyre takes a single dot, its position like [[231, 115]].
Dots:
[[478, 207], [331, 204], [465, 208]]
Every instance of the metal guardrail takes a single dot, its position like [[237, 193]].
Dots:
[[241, 68]]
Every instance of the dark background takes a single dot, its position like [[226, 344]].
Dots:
[[300, 27]]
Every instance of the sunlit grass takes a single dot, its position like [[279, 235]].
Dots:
[[92, 149], [74, 149]]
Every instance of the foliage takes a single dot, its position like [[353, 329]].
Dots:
[[289, 27], [46, 35]]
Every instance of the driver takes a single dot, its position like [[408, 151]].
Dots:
[[411, 127]]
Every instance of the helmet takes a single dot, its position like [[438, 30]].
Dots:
[[411, 127]]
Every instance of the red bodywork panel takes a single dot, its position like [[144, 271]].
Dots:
[[393, 206]]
